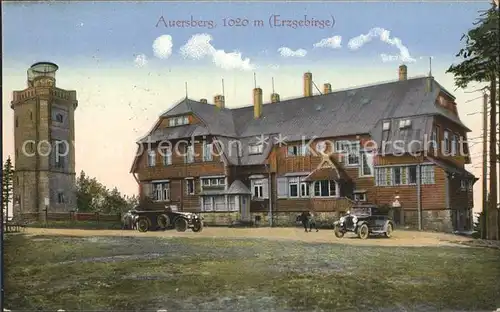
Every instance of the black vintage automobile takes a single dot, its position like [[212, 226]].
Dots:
[[364, 222], [151, 220]]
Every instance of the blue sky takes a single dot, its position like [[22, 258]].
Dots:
[[114, 32]]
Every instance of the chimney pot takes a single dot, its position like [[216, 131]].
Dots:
[[205, 101], [219, 101], [308, 84], [403, 72], [327, 88], [275, 97], [257, 103]]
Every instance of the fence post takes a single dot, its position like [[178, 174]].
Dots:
[[46, 216], [97, 215]]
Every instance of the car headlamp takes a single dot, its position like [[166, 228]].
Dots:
[[354, 219]]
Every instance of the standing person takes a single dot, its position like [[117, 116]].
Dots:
[[312, 222], [304, 217]]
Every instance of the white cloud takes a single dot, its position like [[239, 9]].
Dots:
[[140, 60], [162, 46], [199, 46], [332, 42], [385, 36], [287, 52]]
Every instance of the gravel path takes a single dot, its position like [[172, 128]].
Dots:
[[400, 238]]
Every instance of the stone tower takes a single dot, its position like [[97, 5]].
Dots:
[[44, 134]]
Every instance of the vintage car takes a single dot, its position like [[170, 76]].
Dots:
[[151, 220], [364, 221]]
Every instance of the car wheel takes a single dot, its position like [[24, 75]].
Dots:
[[363, 231], [163, 221], [197, 226], [338, 232], [143, 224], [388, 231], [181, 225]]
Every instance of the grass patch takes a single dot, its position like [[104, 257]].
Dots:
[[84, 225], [136, 273]]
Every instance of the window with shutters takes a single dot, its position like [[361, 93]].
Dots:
[[366, 168], [161, 191], [446, 141]]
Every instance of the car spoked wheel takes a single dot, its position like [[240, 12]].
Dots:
[[181, 225], [197, 226], [163, 221], [338, 232], [388, 231], [142, 225], [363, 231]]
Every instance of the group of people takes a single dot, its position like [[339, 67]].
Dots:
[[308, 221], [129, 221]]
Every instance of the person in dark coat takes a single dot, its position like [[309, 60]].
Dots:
[[312, 222], [304, 218]]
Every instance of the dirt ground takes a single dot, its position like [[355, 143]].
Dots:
[[400, 238]]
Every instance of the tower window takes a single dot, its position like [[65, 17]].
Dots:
[[59, 117], [31, 115], [17, 122], [60, 198]]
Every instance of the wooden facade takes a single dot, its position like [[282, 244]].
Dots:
[[295, 177]]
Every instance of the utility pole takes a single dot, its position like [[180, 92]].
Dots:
[[484, 222]]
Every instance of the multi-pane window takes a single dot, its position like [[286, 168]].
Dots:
[[366, 163], [257, 188], [60, 198], [255, 149], [304, 189], [403, 175], [60, 154], [360, 197], [189, 155], [446, 141], [325, 188], [454, 144], [298, 150], [178, 121], [190, 186], [350, 150], [213, 181], [151, 158], [434, 138], [427, 173], [161, 191], [167, 156], [207, 151], [219, 203], [293, 187]]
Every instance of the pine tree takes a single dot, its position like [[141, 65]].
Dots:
[[481, 63]]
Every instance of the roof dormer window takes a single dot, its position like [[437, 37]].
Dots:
[[404, 123], [386, 126], [178, 121], [255, 149]]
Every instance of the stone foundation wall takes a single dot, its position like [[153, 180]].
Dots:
[[284, 219], [223, 218], [432, 220]]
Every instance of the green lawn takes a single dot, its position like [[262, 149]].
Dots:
[[136, 273]]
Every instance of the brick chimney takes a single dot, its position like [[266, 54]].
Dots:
[[403, 73], [308, 84], [219, 101], [327, 88], [257, 103], [204, 101], [275, 97]]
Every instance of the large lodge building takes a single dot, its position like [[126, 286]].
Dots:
[[398, 144]]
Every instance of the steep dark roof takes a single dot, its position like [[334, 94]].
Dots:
[[347, 112]]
